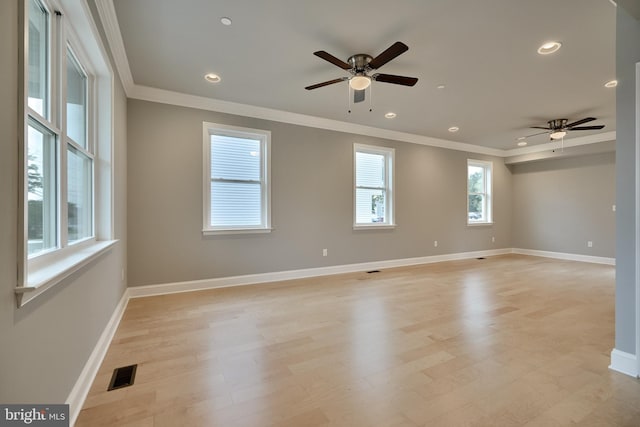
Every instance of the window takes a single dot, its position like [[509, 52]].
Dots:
[[373, 195], [67, 117], [236, 180], [479, 203]]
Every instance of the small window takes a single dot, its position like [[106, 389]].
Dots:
[[373, 194], [236, 187], [479, 201]]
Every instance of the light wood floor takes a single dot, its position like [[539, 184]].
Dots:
[[506, 341]]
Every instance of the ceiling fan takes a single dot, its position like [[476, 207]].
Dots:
[[558, 128], [360, 67]]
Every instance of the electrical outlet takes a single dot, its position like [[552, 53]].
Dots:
[[324, 252], [435, 243], [589, 244]]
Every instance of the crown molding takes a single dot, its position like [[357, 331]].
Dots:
[[109, 19], [146, 93], [111, 27]]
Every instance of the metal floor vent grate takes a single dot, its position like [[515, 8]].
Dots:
[[480, 257], [373, 271], [122, 377]]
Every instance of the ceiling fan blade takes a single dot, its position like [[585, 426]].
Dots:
[[358, 95], [587, 127], [398, 80], [538, 127], [396, 49], [335, 61], [579, 122], [536, 134], [327, 83]]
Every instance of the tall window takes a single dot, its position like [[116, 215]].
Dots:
[[479, 201], [236, 179], [67, 110], [59, 210], [373, 195]]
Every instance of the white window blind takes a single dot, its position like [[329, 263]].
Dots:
[[236, 167], [373, 186]]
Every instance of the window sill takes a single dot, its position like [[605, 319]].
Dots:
[[375, 227], [236, 231], [479, 224], [46, 276]]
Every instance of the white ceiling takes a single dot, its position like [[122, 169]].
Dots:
[[483, 51]]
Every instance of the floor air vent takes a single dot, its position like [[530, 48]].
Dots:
[[373, 271], [480, 257], [122, 377]]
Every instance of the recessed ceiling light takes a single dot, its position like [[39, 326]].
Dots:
[[454, 129], [549, 47], [612, 83], [225, 21], [522, 143], [212, 78], [441, 86], [390, 115]]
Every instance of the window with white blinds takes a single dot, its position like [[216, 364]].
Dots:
[[373, 193], [236, 179]]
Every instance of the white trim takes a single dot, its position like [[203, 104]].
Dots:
[[109, 19], [64, 264], [624, 363], [81, 388], [566, 256], [637, 215], [254, 279]]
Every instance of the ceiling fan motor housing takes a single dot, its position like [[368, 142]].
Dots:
[[359, 63], [557, 124]]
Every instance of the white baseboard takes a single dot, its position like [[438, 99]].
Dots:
[[251, 279], [624, 362], [81, 388], [565, 256]]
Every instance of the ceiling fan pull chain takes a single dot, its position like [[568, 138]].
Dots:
[[349, 99], [370, 98]]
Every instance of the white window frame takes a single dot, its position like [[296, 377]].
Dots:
[[71, 29], [487, 166], [389, 181], [209, 129]]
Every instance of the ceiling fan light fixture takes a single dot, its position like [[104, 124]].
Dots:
[[359, 82], [558, 134], [549, 47]]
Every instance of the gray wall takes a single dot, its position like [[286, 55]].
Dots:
[[312, 177], [627, 55], [560, 204], [46, 343]]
